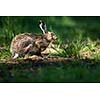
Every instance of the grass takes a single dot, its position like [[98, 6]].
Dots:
[[78, 40]]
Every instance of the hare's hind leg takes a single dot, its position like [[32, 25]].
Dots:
[[28, 48], [27, 51]]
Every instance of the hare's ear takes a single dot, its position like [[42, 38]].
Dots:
[[43, 26]]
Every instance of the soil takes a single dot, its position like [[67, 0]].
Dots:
[[36, 60]]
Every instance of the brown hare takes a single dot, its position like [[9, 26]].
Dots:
[[28, 43]]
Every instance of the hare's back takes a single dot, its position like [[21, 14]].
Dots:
[[21, 41]]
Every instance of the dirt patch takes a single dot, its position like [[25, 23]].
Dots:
[[36, 60]]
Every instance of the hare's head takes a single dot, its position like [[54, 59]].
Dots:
[[50, 36]]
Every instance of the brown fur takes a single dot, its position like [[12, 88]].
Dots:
[[26, 43]]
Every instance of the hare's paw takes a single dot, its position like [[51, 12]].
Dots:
[[15, 55]]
